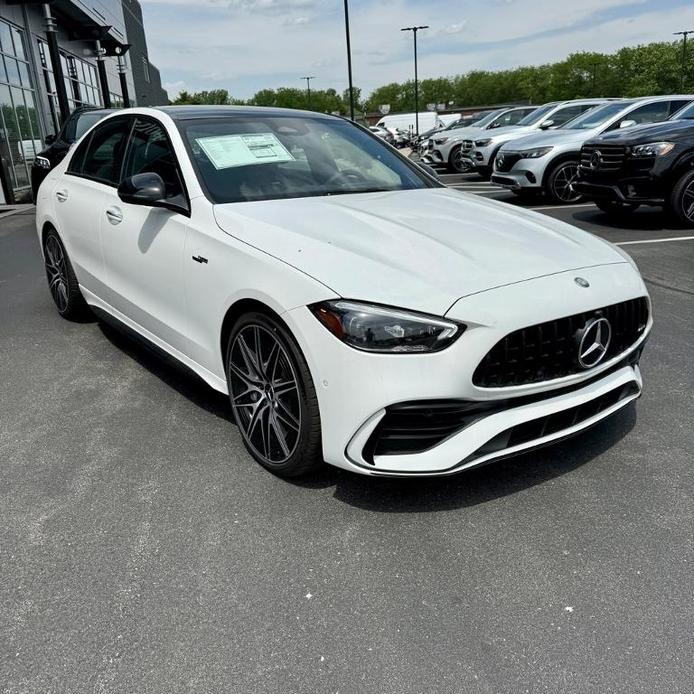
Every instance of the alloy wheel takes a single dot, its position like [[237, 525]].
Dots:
[[688, 201], [562, 185], [56, 271], [460, 163], [265, 394]]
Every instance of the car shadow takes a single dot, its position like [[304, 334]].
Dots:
[[640, 220], [397, 495]]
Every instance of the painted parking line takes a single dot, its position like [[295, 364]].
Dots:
[[666, 240], [562, 207]]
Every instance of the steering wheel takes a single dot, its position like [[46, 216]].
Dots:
[[346, 177]]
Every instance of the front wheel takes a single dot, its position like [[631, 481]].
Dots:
[[62, 281], [272, 396], [560, 183], [682, 200], [459, 163]]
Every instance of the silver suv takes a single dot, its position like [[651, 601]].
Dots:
[[548, 161], [552, 115], [446, 146]]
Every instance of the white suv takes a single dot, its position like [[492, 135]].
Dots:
[[548, 161], [552, 115]]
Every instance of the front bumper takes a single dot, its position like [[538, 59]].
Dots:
[[524, 174], [640, 191], [356, 389]]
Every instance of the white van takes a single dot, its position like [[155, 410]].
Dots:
[[407, 121]]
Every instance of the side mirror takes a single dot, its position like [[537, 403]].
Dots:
[[546, 125], [149, 190], [627, 123], [50, 139], [428, 169]]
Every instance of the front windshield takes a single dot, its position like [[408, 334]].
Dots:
[[536, 115], [487, 119], [595, 117], [245, 158], [455, 124], [686, 113]]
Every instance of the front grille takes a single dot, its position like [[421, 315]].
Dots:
[[467, 145], [536, 429], [506, 161], [549, 350], [611, 157]]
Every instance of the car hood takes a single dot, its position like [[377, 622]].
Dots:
[[650, 132], [551, 138], [468, 133], [421, 249], [510, 132]]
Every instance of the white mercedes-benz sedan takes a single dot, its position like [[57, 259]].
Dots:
[[355, 310]]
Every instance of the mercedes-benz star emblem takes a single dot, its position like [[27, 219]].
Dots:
[[594, 341], [581, 282], [596, 159]]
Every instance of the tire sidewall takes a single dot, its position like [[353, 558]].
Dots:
[[305, 448], [677, 199]]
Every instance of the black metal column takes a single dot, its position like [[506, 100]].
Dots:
[[122, 75], [103, 77], [54, 53]]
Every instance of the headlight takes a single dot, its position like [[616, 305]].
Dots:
[[535, 153], [441, 141], [374, 328], [483, 143], [652, 149], [42, 163]]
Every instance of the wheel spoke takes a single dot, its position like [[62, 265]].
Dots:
[[249, 360], [284, 415], [284, 387], [279, 434], [246, 378]]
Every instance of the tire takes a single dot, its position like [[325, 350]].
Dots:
[[457, 162], [273, 397], [681, 204], [616, 209], [559, 186], [62, 282]]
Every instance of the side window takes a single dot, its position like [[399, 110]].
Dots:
[[650, 113], [104, 156], [564, 115], [151, 152], [677, 105], [77, 161]]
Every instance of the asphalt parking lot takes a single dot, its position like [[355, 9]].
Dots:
[[143, 551]]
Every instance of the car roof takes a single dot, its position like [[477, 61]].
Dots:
[[196, 112]]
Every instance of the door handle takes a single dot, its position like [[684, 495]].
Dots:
[[114, 215], [61, 195]]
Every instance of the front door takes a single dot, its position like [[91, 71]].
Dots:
[[144, 246]]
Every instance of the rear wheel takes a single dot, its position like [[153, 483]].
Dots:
[[272, 396], [560, 183], [457, 162], [613, 208], [62, 281], [682, 200]]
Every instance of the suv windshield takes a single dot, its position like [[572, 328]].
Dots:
[[536, 115], [595, 117], [245, 158], [487, 119]]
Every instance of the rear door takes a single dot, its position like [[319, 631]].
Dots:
[[79, 195]]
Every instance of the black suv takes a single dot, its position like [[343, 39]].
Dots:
[[642, 165], [59, 145]]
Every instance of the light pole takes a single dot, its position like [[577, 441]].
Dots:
[[308, 89], [684, 35], [349, 63], [414, 31]]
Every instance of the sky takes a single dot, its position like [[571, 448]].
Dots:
[[247, 45]]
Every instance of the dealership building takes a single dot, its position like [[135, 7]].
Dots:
[[60, 55]]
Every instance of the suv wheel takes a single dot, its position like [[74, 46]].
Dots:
[[272, 396], [613, 208], [62, 282], [682, 200], [560, 183], [457, 162]]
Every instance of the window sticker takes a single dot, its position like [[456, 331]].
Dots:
[[227, 151]]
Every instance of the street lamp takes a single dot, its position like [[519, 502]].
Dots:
[[414, 31], [308, 89], [349, 63], [684, 35]]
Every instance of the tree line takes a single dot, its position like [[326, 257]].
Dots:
[[654, 68]]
